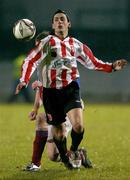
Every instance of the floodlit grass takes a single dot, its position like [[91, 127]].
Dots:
[[107, 138]]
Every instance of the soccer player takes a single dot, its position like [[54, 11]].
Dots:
[[44, 133], [16, 73], [56, 57]]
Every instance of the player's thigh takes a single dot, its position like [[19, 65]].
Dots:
[[54, 106], [41, 121]]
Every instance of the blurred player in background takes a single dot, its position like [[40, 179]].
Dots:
[[16, 73], [56, 57]]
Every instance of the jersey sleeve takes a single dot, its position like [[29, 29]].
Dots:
[[32, 60], [87, 59]]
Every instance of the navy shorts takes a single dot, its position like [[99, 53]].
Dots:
[[57, 102]]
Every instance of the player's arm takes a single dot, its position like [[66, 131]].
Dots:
[[87, 58], [36, 85], [33, 113], [30, 63]]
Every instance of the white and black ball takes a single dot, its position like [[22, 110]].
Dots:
[[24, 29]]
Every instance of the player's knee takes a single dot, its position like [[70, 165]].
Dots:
[[78, 127], [59, 133]]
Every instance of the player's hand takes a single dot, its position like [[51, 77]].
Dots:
[[32, 115], [20, 86], [119, 64]]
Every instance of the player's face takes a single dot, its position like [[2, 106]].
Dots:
[[60, 24]]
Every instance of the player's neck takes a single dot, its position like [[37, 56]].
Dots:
[[61, 35]]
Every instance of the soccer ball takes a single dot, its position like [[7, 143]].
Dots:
[[24, 29]]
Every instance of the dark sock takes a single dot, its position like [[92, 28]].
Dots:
[[76, 139], [38, 146], [62, 147]]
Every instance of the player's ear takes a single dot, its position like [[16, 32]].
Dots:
[[69, 25]]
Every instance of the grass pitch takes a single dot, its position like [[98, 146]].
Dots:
[[107, 138]]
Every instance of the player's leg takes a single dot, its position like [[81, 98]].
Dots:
[[52, 150], [75, 114], [40, 138], [61, 143], [75, 117], [39, 142], [53, 100], [60, 140]]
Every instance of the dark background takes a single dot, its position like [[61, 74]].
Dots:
[[104, 25]]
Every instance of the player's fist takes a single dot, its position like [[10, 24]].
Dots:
[[119, 64], [20, 86], [32, 115]]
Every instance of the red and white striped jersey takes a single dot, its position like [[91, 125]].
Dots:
[[56, 61]]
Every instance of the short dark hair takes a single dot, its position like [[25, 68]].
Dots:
[[60, 11]]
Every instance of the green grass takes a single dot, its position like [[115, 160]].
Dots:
[[107, 138]]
